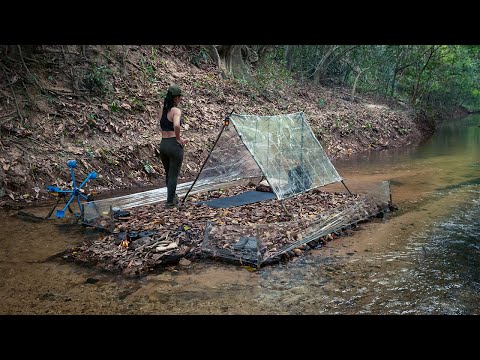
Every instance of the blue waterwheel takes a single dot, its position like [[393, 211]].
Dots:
[[74, 193]]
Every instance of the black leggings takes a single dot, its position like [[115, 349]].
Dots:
[[171, 154]]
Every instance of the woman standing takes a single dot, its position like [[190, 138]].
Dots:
[[171, 146]]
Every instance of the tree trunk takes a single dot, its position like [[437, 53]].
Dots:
[[352, 96], [289, 56], [213, 52], [392, 91], [347, 74], [359, 73], [416, 89], [231, 59], [259, 52], [322, 65], [236, 64], [328, 58]]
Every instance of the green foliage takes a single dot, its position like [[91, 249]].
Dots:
[[201, 57], [208, 83], [337, 122], [271, 74], [90, 153], [97, 79], [161, 93], [115, 106], [421, 75], [31, 78], [50, 99], [148, 65], [244, 83], [147, 167], [137, 104], [148, 69], [106, 154]]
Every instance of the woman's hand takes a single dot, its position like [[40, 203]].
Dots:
[[182, 141]]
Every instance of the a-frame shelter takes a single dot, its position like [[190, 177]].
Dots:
[[281, 149]]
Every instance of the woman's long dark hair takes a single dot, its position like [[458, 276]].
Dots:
[[167, 103]]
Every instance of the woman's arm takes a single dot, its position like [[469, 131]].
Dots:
[[176, 125]]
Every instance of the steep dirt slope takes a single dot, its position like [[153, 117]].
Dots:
[[101, 106]]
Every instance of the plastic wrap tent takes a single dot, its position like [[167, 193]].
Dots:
[[281, 149]]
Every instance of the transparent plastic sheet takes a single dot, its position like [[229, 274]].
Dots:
[[229, 160], [101, 208], [221, 242], [275, 239], [374, 199], [286, 150], [280, 148]]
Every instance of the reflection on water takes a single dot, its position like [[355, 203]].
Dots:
[[437, 272], [424, 259], [456, 142]]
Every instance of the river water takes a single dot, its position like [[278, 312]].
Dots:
[[423, 258]]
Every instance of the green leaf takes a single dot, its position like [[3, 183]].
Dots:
[[147, 167]]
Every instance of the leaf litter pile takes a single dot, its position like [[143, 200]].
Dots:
[[153, 236]]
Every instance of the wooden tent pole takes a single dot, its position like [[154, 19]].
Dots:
[[346, 187], [226, 122]]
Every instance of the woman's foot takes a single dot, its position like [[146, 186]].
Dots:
[[175, 202]]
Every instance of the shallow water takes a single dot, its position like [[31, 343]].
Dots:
[[422, 259]]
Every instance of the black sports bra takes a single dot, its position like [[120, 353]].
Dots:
[[165, 124]]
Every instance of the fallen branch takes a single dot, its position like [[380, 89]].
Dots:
[[16, 105], [30, 97], [5, 94], [54, 114], [6, 115], [61, 92], [26, 68], [63, 51], [21, 148], [127, 87], [7, 118], [135, 65], [64, 55], [88, 99], [32, 60], [30, 140], [108, 58], [124, 68], [146, 246]]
